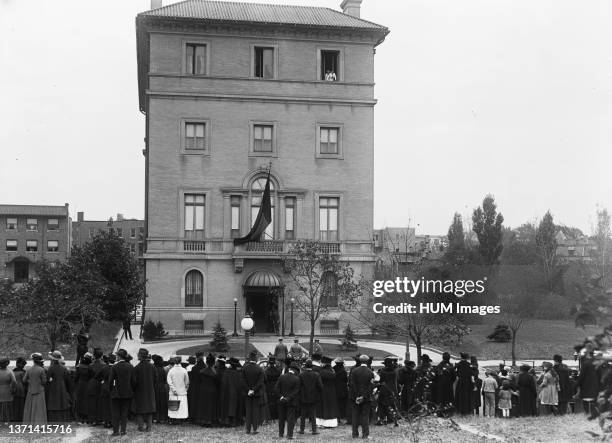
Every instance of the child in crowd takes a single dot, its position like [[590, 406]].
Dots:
[[489, 386], [505, 398]]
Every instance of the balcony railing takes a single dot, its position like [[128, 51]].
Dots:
[[330, 248], [266, 246], [194, 246]]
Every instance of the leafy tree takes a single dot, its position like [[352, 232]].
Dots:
[[55, 305], [319, 276], [547, 247], [219, 338], [500, 334], [487, 223], [602, 240], [519, 247], [152, 330], [108, 260], [456, 240]]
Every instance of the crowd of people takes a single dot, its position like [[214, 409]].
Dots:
[[292, 388]]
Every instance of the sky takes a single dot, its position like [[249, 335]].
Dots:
[[507, 97]]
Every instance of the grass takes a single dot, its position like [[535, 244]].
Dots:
[[236, 349]]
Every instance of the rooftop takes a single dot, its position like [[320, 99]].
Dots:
[[238, 12], [41, 210]]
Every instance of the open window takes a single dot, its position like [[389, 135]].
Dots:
[[264, 62], [330, 65]]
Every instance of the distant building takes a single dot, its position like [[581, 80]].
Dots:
[[407, 247], [131, 230], [29, 234], [574, 246]]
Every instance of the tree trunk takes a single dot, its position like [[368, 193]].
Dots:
[[417, 343], [514, 347], [312, 331], [407, 354]]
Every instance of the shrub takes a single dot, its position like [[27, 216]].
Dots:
[[152, 330], [349, 341], [219, 338], [501, 334], [554, 307]]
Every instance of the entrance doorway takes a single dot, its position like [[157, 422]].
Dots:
[[21, 270], [262, 305]]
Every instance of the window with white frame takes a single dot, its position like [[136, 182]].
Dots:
[[194, 215], [11, 245], [330, 65], [194, 289], [290, 214], [53, 224], [195, 59], [195, 136], [52, 246], [32, 224], [328, 218], [329, 140], [235, 215], [11, 224], [262, 138], [263, 64], [31, 245]]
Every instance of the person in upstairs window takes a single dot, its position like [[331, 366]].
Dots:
[[330, 76]]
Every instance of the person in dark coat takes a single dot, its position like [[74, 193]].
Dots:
[[287, 389], [387, 393], [121, 393], [194, 385], [527, 393], [341, 379], [443, 383], [588, 385], [406, 378], [59, 390], [127, 327], [207, 394], [327, 407], [104, 401], [93, 389], [253, 377], [82, 375], [476, 400], [20, 389], [82, 338], [360, 395], [465, 386], [161, 390], [424, 380], [272, 374], [310, 391], [143, 386], [35, 408], [231, 395], [563, 376]]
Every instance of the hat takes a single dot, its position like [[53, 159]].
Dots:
[[191, 360], [210, 359], [557, 358], [233, 361], [199, 354], [20, 361], [308, 363], [122, 353], [326, 360], [253, 355], [547, 364], [339, 361], [425, 358], [56, 355], [4, 362], [364, 358], [111, 358], [143, 353], [463, 355], [37, 356]]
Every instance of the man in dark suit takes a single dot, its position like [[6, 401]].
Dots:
[[253, 376], [361, 384], [310, 389], [120, 385], [288, 391], [143, 384]]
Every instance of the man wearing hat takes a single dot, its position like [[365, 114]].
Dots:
[[317, 348], [93, 388], [327, 407], [272, 374], [143, 383], [310, 391], [297, 351], [280, 352], [121, 393], [253, 377], [230, 395], [563, 375], [288, 390], [341, 379], [194, 385], [360, 394]]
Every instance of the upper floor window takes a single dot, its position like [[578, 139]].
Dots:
[[133, 248], [141, 232], [11, 245], [11, 224], [290, 218], [32, 224], [328, 218], [52, 246], [132, 232], [194, 289], [235, 215], [330, 65], [194, 215], [53, 224], [262, 138], [119, 232], [263, 63], [195, 58], [195, 136], [329, 140], [329, 295], [31, 245]]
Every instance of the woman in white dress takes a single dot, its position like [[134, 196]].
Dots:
[[178, 382]]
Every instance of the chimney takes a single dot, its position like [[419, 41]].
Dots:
[[156, 4], [351, 7], [119, 217], [80, 216]]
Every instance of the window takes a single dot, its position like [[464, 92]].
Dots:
[[194, 216], [328, 218], [53, 224], [329, 325], [235, 215], [262, 138], [141, 232], [11, 245], [194, 325], [133, 248], [195, 136], [195, 59], [140, 249], [31, 245], [52, 246], [31, 224], [328, 141], [11, 224], [257, 188], [119, 232], [132, 232], [330, 65], [290, 218], [194, 294], [264, 62], [329, 295]]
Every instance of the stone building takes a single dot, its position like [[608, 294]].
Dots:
[[229, 90], [131, 230], [29, 234]]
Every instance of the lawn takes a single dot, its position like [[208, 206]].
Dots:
[[235, 349]]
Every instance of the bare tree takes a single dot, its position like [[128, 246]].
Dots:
[[513, 311]]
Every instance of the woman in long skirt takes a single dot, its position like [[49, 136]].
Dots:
[[19, 393], [161, 390], [7, 384], [59, 392], [35, 409], [84, 373], [104, 407], [178, 381]]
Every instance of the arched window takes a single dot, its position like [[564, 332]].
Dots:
[[329, 290], [194, 292], [257, 188]]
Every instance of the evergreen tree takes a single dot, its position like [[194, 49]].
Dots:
[[219, 338], [547, 247], [349, 341], [456, 240], [488, 225]]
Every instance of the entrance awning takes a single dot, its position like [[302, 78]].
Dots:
[[194, 315], [263, 279]]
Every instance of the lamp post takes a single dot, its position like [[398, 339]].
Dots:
[[291, 334], [246, 324], [235, 334], [283, 313]]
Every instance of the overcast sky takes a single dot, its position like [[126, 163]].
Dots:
[[509, 97]]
